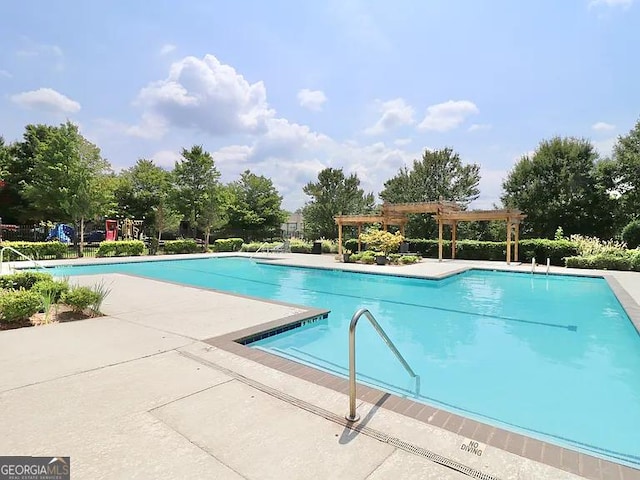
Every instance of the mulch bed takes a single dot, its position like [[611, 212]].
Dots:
[[58, 314]]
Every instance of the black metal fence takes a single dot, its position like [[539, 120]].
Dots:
[[23, 233], [39, 233]]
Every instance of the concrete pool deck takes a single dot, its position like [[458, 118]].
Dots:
[[143, 393]]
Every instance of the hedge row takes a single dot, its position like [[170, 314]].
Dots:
[[541, 249], [36, 250], [118, 248], [628, 261], [227, 244], [188, 245]]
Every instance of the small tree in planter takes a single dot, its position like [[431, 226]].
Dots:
[[383, 242]]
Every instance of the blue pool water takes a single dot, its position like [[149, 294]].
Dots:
[[553, 357]]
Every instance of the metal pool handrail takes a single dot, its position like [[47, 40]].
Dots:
[[38, 264], [259, 248], [352, 416]]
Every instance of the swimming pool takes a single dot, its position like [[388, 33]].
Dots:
[[553, 357]]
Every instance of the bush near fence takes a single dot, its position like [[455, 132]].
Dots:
[[227, 244], [188, 245], [120, 248], [35, 250]]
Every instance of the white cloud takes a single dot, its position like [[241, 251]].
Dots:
[[448, 115], [602, 127], [42, 50], [480, 126], [311, 99], [490, 188], [203, 95], [610, 3], [46, 99], [395, 113], [206, 95], [35, 50], [167, 48], [151, 127], [166, 158], [5, 74], [605, 146], [401, 142]]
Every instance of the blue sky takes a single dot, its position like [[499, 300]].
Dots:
[[286, 88]]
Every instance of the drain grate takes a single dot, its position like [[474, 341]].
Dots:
[[368, 431]]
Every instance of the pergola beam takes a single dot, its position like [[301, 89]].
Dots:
[[445, 212]]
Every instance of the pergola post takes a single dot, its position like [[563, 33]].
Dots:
[[359, 233], [517, 235], [454, 228], [508, 242], [439, 239], [339, 238]]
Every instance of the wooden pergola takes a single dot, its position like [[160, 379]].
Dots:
[[445, 213], [512, 217], [392, 214]]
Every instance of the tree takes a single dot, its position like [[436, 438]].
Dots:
[[196, 180], [439, 175], [18, 163], [143, 191], [626, 174], [70, 180], [559, 186], [215, 201], [333, 194], [255, 207]]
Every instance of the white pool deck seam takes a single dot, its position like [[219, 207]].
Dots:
[[298, 260]]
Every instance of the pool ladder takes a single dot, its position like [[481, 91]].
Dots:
[[352, 416]]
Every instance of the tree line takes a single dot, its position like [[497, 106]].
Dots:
[[54, 173], [564, 185]]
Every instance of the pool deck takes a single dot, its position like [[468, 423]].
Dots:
[[158, 389]]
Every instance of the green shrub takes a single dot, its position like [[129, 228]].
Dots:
[[407, 259], [80, 298], [227, 244], [351, 244], [19, 305], [22, 280], [35, 250], [102, 292], [329, 246], [605, 262], [120, 247], [368, 256], [51, 288], [300, 246], [541, 249], [250, 247], [188, 245], [386, 242], [594, 246], [394, 258], [631, 234]]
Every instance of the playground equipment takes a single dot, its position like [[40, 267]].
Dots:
[[61, 232], [124, 229]]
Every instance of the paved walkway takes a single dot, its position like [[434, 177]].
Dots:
[[137, 394]]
